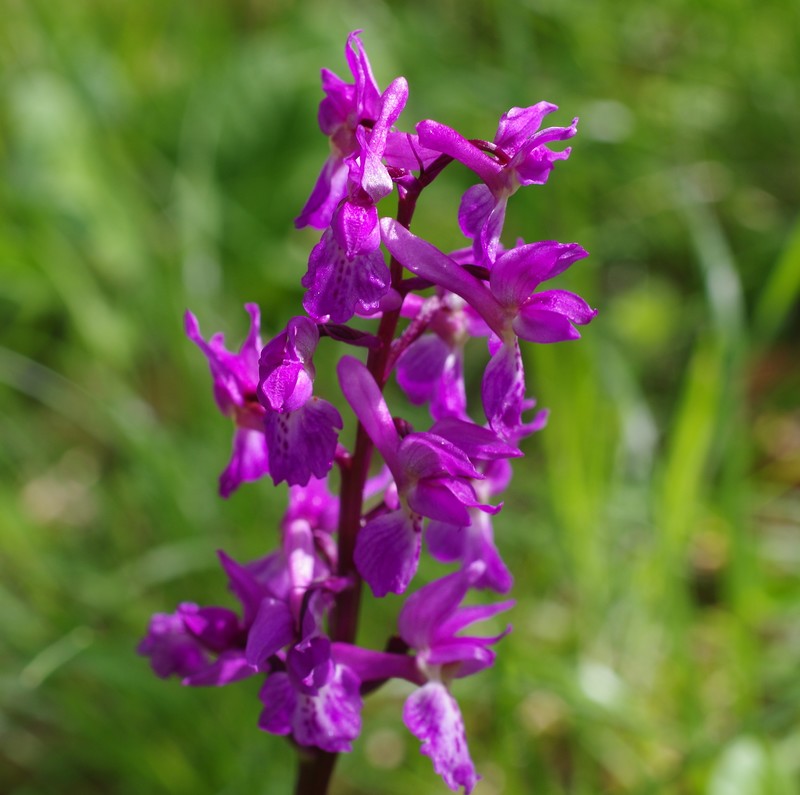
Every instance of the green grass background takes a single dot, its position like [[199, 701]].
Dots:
[[154, 155]]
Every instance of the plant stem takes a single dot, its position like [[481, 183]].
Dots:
[[314, 774]]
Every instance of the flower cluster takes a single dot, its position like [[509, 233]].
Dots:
[[434, 487]]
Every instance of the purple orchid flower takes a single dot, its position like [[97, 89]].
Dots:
[[202, 645], [295, 614], [313, 698], [306, 693], [509, 304], [432, 476], [301, 430], [291, 629], [171, 648], [345, 106], [235, 378], [346, 269], [330, 719], [206, 645], [358, 119], [429, 623], [521, 157]]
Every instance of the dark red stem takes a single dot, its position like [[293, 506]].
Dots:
[[315, 771]]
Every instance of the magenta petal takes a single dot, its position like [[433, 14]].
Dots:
[[446, 140], [270, 573], [464, 616], [244, 585], [548, 135], [435, 498], [355, 229], [498, 471], [367, 95], [519, 124], [375, 179], [450, 397], [366, 400], [215, 627], [488, 243], [429, 370], [481, 216], [518, 272], [341, 112], [503, 390], [403, 150], [448, 543], [171, 649], [534, 167], [230, 666], [280, 700], [481, 547], [286, 372], [387, 552], [331, 719], [476, 441], [234, 375], [369, 665], [429, 607], [473, 212], [469, 654], [272, 629], [425, 455], [338, 285], [543, 326], [329, 189], [432, 715], [249, 460], [315, 504], [420, 367], [427, 261], [339, 99], [302, 443], [565, 303], [298, 548], [286, 387], [309, 664], [251, 347], [250, 583], [445, 540], [302, 338]]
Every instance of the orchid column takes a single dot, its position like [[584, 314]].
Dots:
[[401, 307]]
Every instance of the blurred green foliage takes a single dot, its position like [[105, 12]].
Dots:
[[154, 157]]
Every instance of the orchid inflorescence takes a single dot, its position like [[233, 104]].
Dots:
[[296, 629]]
